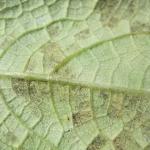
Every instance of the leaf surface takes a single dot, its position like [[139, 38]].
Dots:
[[74, 75]]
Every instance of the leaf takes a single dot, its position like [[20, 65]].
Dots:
[[74, 75]]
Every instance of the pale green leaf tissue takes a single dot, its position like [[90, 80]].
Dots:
[[74, 74]]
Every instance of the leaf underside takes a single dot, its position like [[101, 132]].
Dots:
[[74, 75]]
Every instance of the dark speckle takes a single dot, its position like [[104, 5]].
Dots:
[[104, 95], [97, 143], [81, 117], [20, 87], [83, 34], [68, 118]]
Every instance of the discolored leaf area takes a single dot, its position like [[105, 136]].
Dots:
[[74, 75]]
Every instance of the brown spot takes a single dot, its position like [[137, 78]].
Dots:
[[117, 144], [107, 9], [68, 118], [132, 6], [84, 105], [66, 72], [83, 34], [55, 29], [53, 54], [34, 92], [132, 101], [145, 129], [32, 89], [82, 117], [35, 111], [125, 141], [20, 87], [111, 13], [104, 95], [97, 143], [115, 108]]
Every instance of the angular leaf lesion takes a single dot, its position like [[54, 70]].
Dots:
[[20, 86], [97, 143], [82, 117]]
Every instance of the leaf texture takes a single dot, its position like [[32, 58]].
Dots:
[[74, 75]]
